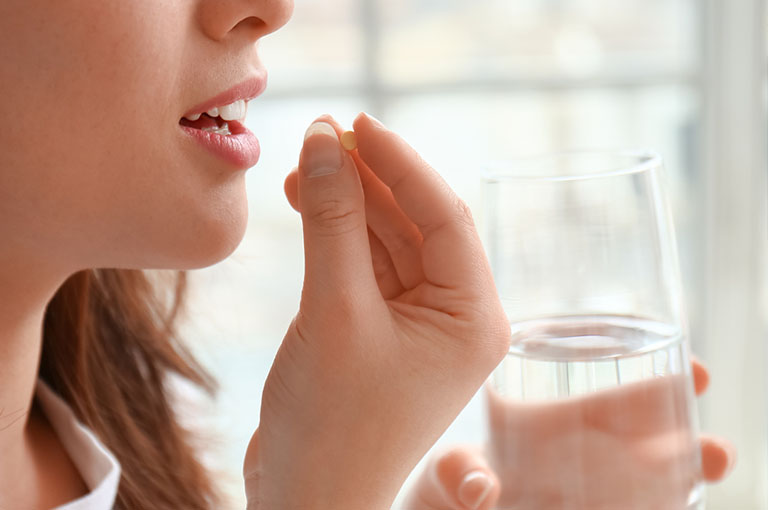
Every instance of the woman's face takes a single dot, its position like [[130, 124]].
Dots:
[[94, 166]]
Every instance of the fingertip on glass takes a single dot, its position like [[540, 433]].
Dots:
[[474, 489]]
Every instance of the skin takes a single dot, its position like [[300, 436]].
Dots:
[[545, 428], [645, 443], [384, 352], [94, 172]]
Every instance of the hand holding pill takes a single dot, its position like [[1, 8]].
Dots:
[[398, 326]]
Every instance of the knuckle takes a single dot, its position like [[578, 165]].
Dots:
[[464, 213], [488, 338], [336, 217], [500, 336], [491, 343], [458, 215]]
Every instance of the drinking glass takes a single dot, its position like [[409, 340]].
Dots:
[[593, 407]]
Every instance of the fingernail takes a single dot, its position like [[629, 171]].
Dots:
[[323, 156], [474, 488], [376, 122]]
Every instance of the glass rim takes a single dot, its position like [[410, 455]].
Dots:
[[504, 170]]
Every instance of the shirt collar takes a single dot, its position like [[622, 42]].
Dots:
[[97, 465]]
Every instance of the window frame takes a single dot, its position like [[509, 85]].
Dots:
[[733, 161]]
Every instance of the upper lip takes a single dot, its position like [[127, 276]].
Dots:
[[245, 90]]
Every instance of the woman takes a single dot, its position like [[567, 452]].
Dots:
[[109, 161]]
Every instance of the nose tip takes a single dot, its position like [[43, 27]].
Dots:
[[257, 18]]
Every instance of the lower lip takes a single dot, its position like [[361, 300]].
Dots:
[[240, 149]]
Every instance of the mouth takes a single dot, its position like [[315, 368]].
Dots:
[[225, 114], [214, 124], [217, 124]]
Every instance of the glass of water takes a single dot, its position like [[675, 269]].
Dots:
[[593, 407]]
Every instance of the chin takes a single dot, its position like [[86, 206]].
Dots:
[[211, 242], [180, 227], [210, 250], [200, 237], [210, 229]]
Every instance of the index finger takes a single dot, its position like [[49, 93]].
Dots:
[[452, 254]]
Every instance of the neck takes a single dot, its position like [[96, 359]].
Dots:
[[24, 294]]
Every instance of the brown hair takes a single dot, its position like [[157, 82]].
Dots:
[[109, 343]]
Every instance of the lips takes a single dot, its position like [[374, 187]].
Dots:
[[240, 148], [246, 90]]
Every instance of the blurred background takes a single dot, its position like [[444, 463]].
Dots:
[[468, 82]]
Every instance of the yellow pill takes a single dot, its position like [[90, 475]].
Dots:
[[349, 140]]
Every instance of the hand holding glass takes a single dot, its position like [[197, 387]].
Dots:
[[593, 408]]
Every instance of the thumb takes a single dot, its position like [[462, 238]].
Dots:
[[337, 257], [252, 471]]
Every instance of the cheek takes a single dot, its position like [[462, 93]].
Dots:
[[93, 159], [152, 204]]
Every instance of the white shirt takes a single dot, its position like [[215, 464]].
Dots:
[[97, 466]]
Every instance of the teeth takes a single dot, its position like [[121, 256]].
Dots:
[[223, 130], [234, 111]]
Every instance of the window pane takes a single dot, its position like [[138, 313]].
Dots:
[[454, 40], [321, 46]]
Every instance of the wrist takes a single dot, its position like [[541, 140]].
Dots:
[[317, 496], [320, 483]]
